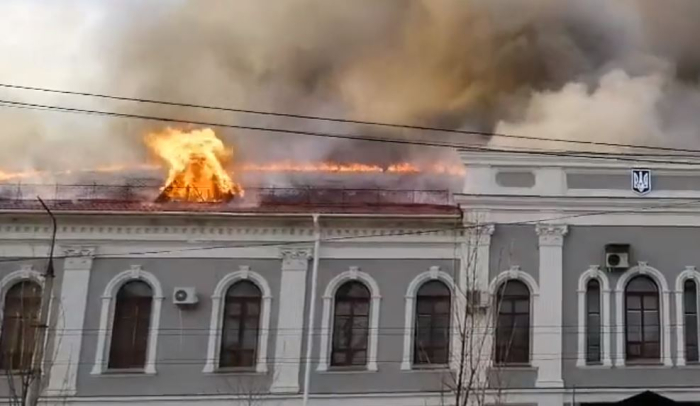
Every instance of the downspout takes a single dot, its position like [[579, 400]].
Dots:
[[312, 307]]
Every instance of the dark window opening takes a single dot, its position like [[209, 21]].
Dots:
[[513, 324], [241, 327], [690, 311], [19, 326], [593, 322], [132, 320], [642, 325], [432, 324], [351, 325]]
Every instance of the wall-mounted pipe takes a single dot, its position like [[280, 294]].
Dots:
[[312, 307]]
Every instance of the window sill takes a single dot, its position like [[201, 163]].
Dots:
[[235, 371], [348, 370], [645, 365], [120, 373], [595, 366], [512, 367], [428, 368]]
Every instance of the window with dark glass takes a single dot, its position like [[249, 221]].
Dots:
[[432, 324], [513, 324], [593, 322], [350, 325], [690, 310], [642, 325], [239, 339], [19, 325], [132, 320]]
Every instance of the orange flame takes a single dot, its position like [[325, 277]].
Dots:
[[195, 166]]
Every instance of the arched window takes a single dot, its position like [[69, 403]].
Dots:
[[593, 326], [642, 325], [19, 325], [351, 325], [513, 324], [239, 335], [432, 324], [690, 312], [132, 319]]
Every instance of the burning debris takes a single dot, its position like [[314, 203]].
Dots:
[[196, 162]]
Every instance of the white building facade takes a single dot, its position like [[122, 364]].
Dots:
[[368, 306]]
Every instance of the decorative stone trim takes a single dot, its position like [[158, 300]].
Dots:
[[353, 273], [217, 314], [691, 273], [551, 234], [409, 317], [594, 272], [665, 311], [136, 272]]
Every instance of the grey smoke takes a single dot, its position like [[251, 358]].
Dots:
[[586, 70]]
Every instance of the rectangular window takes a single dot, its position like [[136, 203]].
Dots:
[[690, 299], [593, 322]]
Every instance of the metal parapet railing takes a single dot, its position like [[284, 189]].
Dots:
[[141, 193]]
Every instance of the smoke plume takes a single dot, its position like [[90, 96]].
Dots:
[[623, 71]]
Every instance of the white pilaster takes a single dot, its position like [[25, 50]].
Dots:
[[547, 332], [70, 320], [474, 274], [290, 323]]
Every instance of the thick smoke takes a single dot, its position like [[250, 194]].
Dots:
[[623, 71]]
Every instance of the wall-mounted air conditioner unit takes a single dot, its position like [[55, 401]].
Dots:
[[617, 257], [185, 296]]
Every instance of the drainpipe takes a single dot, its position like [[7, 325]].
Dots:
[[312, 307]]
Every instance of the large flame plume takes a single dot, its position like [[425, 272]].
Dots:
[[196, 161]]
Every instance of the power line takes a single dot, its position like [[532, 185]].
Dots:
[[345, 121], [467, 147]]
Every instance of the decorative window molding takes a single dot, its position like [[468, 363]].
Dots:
[[26, 272], [353, 274], [410, 314], [691, 273], [107, 318], [594, 272], [664, 314], [218, 300], [516, 273]]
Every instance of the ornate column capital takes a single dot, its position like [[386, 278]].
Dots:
[[552, 234], [295, 258], [77, 257], [479, 234]]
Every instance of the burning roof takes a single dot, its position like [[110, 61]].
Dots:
[[203, 176]]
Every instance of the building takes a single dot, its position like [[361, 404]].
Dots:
[[388, 286]]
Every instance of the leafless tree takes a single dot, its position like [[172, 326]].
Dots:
[[473, 378]]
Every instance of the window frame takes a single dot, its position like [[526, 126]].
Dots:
[[138, 303], [690, 273], [642, 268], [245, 303], [694, 314], [434, 273], [104, 337], [25, 273], [353, 273], [643, 358], [497, 314], [37, 314], [433, 300], [587, 322], [212, 364], [353, 303], [594, 272]]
